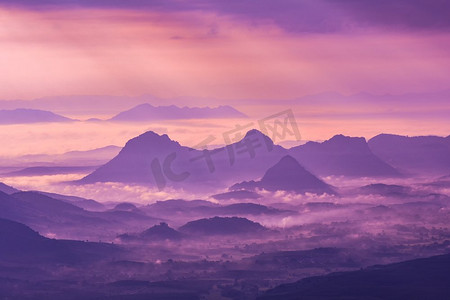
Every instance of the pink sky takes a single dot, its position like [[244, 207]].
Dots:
[[198, 53], [212, 53]]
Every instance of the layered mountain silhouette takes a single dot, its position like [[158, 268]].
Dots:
[[201, 208], [287, 175], [148, 112], [236, 195], [94, 157], [158, 161], [24, 245], [426, 278], [26, 116], [158, 232], [87, 204], [222, 226], [7, 189], [63, 218], [342, 155], [43, 170], [420, 154]]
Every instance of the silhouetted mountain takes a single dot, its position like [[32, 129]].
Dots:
[[134, 161], [87, 204], [148, 112], [42, 170], [247, 209], [24, 116], [50, 215], [222, 226], [237, 195], [159, 161], [288, 175], [427, 278], [385, 189], [421, 154], [341, 155], [125, 206], [200, 208], [22, 244], [156, 233], [178, 206], [7, 189]]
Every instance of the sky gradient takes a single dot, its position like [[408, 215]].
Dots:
[[258, 56], [225, 50]]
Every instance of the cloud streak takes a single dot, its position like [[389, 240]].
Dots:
[[291, 15]]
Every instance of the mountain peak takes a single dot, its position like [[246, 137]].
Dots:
[[255, 133], [150, 138], [288, 175]]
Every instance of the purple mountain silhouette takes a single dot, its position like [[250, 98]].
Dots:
[[342, 155], [21, 244], [158, 232], [287, 175], [236, 195], [156, 160], [48, 214], [148, 112], [7, 189], [421, 154], [222, 226], [24, 116]]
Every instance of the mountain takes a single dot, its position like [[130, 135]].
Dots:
[[50, 215], [87, 204], [236, 195], [7, 189], [188, 210], [148, 112], [392, 190], [94, 157], [427, 278], [21, 244], [222, 226], [157, 161], [342, 155], [42, 170], [287, 175], [241, 209], [420, 154], [159, 232], [134, 161], [25, 116]]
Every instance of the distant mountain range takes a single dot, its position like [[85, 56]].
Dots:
[[40, 171], [157, 161], [342, 155], [94, 157], [27, 116], [147, 112], [417, 155]]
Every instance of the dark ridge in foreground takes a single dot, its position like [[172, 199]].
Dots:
[[19, 243], [427, 278]]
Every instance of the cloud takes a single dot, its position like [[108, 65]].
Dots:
[[291, 15]]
